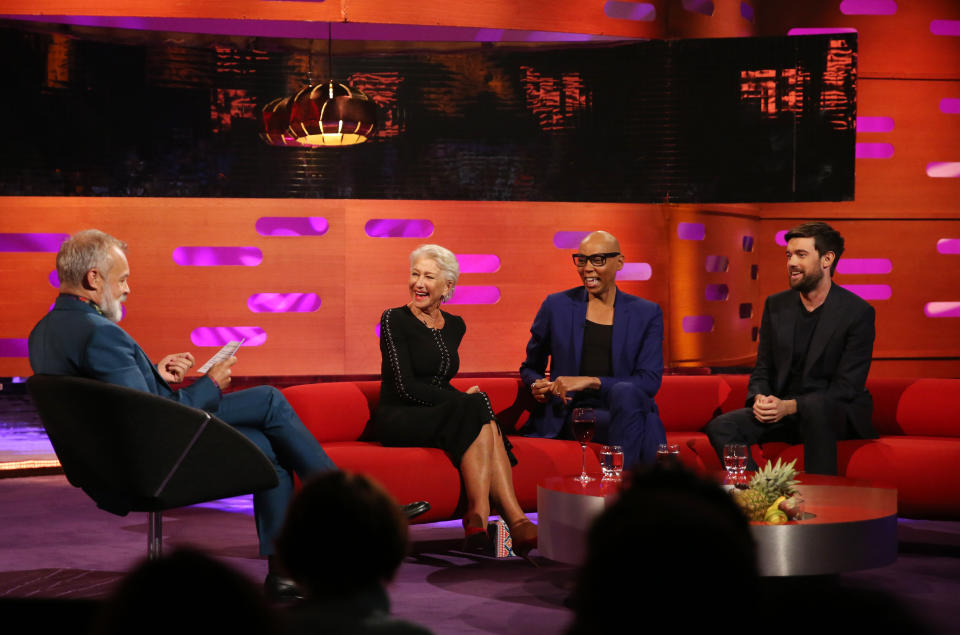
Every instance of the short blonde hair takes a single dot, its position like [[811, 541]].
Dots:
[[444, 258]]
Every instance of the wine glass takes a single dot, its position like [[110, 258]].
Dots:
[[735, 461], [584, 423]]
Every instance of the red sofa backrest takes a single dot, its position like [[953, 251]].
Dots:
[[687, 403], [928, 407]]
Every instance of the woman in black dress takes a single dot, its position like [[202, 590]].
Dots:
[[419, 407]]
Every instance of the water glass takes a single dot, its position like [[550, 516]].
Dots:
[[735, 461], [611, 462], [668, 454]]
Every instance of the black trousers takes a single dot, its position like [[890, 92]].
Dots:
[[821, 424]]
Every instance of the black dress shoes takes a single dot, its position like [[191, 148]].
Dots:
[[414, 509], [280, 589]]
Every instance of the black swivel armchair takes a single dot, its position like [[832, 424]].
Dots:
[[133, 451]]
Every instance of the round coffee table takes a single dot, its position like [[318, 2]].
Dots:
[[851, 525]]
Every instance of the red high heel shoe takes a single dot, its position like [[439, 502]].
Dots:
[[475, 538], [524, 535]]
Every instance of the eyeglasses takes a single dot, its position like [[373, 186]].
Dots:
[[597, 260]]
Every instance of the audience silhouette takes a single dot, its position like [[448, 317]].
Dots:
[[343, 540]]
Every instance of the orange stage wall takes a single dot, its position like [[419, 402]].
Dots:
[[899, 214]]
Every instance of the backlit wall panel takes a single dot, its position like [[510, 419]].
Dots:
[[342, 278]]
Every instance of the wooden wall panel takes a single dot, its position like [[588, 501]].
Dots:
[[356, 276], [729, 342], [567, 16]]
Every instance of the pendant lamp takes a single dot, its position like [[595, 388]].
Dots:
[[327, 114], [331, 114], [276, 123]]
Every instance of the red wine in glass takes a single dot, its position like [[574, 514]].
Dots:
[[584, 424]]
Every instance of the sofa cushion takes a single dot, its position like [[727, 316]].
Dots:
[[687, 403], [929, 407], [334, 411], [409, 474]]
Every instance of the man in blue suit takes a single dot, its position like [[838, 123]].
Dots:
[[80, 337], [605, 349]]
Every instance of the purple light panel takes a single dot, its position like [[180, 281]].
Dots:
[[691, 231], [754, 272], [950, 106], [13, 347], [635, 271], [746, 311], [697, 323], [747, 243], [217, 256], [475, 295], [398, 228], [54, 279], [945, 27], [874, 124], [47, 243], [292, 226], [283, 302], [819, 31], [868, 7], [478, 263], [717, 264], [717, 292], [948, 246], [874, 150], [746, 11], [568, 240], [640, 11], [942, 309], [703, 7], [220, 335], [870, 291], [864, 265], [943, 170], [781, 237]]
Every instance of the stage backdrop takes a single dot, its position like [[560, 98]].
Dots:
[[903, 232]]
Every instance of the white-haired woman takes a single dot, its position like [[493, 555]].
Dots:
[[418, 406]]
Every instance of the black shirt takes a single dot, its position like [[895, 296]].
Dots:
[[803, 330]]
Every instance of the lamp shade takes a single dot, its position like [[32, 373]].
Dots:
[[276, 123], [331, 114]]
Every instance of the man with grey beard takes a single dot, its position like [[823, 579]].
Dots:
[[80, 337], [815, 348]]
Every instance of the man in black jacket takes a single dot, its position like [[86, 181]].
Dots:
[[816, 344]]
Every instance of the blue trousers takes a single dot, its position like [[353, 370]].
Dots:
[[629, 418], [264, 416]]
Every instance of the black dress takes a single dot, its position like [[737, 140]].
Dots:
[[418, 407]]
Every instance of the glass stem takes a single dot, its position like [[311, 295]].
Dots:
[[583, 459]]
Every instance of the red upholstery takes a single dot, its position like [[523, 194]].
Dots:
[[334, 411], [929, 407], [918, 452], [690, 402]]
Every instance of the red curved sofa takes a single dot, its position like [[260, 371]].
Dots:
[[918, 451]]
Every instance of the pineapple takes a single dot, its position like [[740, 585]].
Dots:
[[752, 502], [767, 485], [774, 481]]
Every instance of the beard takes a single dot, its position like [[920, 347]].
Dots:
[[808, 282], [111, 306]]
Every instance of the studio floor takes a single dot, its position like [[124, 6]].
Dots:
[[56, 545]]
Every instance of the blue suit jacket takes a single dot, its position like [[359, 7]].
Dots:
[[74, 339], [557, 335]]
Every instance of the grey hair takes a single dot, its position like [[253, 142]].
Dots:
[[444, 258], [86, 250]]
